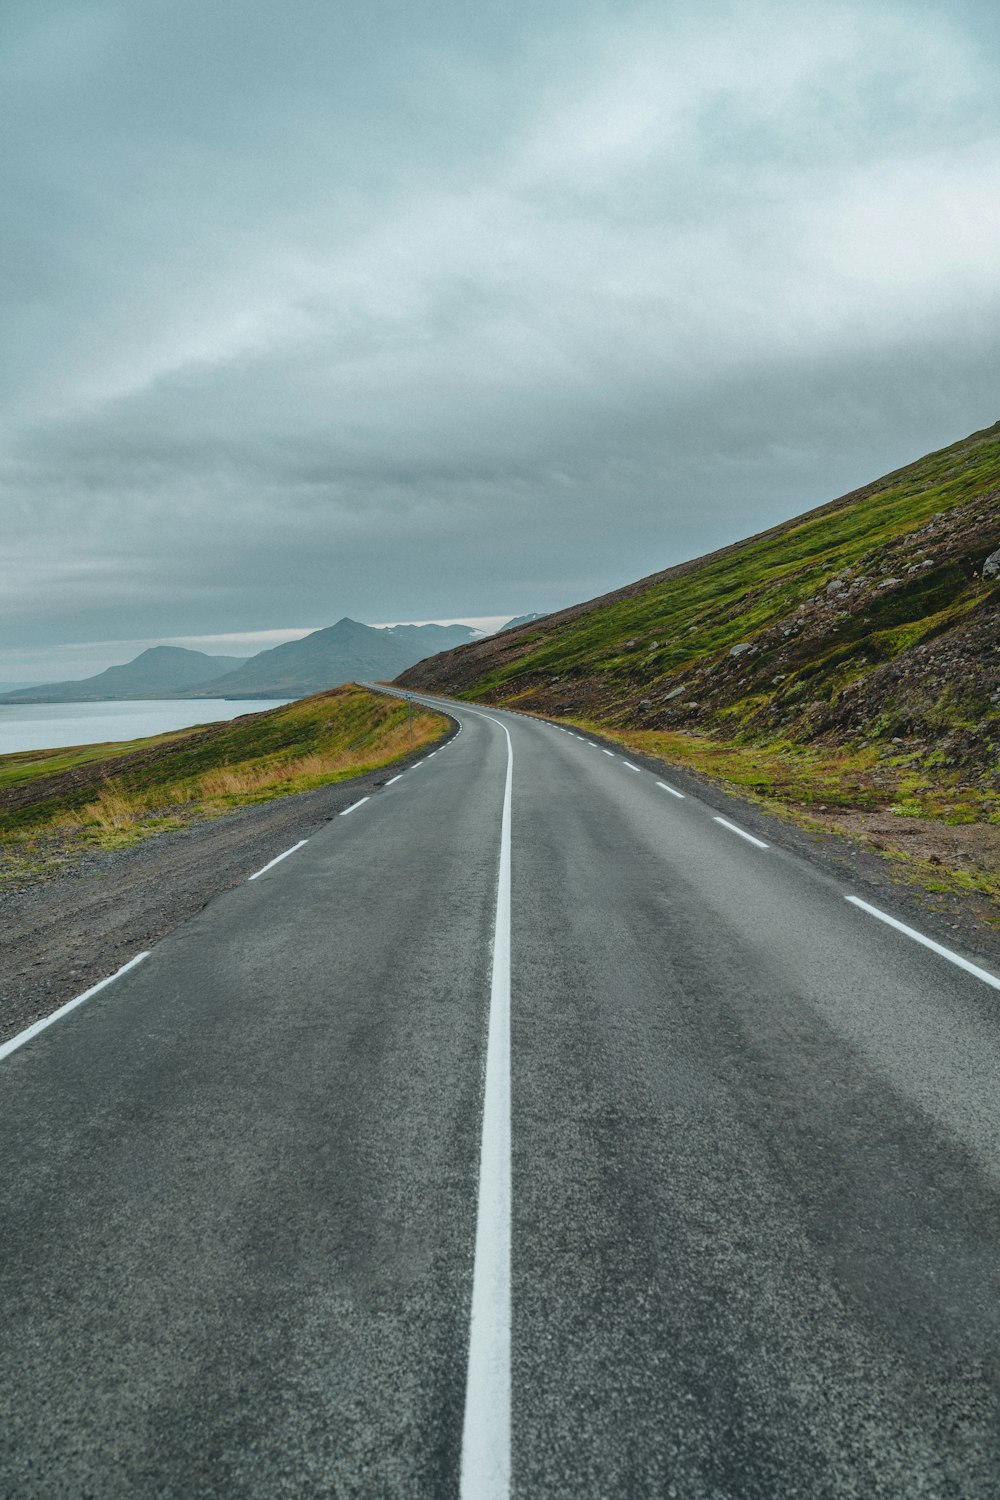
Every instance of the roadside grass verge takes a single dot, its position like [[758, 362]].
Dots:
[[56, 804]]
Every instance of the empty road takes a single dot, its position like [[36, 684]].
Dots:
[[530, 1130]]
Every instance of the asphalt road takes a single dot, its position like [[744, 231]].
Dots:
[[288, 1210]]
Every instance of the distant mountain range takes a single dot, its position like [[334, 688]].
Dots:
[[517, 622], [160, 672], [343, 652]]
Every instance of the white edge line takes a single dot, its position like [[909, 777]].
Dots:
[[37, 1026], [353, 807], [485, 1471], [630, 767], [277, 860], [608, 752], [742, 833], [395, 779], [671, 789], [918, 937]]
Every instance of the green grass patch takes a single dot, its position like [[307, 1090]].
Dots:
[[115, 794]]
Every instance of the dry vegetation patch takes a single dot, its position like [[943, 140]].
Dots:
[[53, 804]]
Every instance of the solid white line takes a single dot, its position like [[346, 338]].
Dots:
[[395, 779], [918, 937], [630, 767], [671, 789], [277, 860], [486, 1429], [609, 752], [742, 833], [353, 807], [37, 1026]]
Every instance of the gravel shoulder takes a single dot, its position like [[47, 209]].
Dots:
[[63, 934]]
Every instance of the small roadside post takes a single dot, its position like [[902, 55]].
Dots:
[[409, 714]]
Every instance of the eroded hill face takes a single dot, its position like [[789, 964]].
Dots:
[[867, 621]]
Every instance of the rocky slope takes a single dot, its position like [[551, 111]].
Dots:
[[873, 621]]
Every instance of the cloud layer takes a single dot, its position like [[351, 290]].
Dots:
[[405, 316]]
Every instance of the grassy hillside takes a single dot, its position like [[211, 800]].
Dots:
[[848, 658], [112, 794]]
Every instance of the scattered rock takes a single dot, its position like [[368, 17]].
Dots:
[[739, 648], [991, 567]]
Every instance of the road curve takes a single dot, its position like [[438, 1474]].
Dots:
[[751, 1134]]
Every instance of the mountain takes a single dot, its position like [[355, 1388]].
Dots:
[[345, 652], [160, 672], [518, 621], [866, 629]]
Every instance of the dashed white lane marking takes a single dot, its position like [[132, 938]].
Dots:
[[432, 755], [630, 767], [353, 807], [395, 779], [486, 1428], [918, 937], [277, 860], [37, 1026], [608, 752], [742, 833], [671, 789]]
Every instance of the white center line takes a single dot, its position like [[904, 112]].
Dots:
[[630, 767], [486, 1429], [353, 807], [277, 860], [918, 937], [37, 1026], [671, 789], [742, 833]]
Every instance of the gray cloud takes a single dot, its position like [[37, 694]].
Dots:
[[416, 314]]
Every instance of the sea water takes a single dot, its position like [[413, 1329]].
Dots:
[[47, 726]]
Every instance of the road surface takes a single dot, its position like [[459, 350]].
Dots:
[[529, 1130]]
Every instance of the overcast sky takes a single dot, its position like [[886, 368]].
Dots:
[[437, 311]]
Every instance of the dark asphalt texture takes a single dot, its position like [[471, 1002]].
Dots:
[[756, 1158]]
